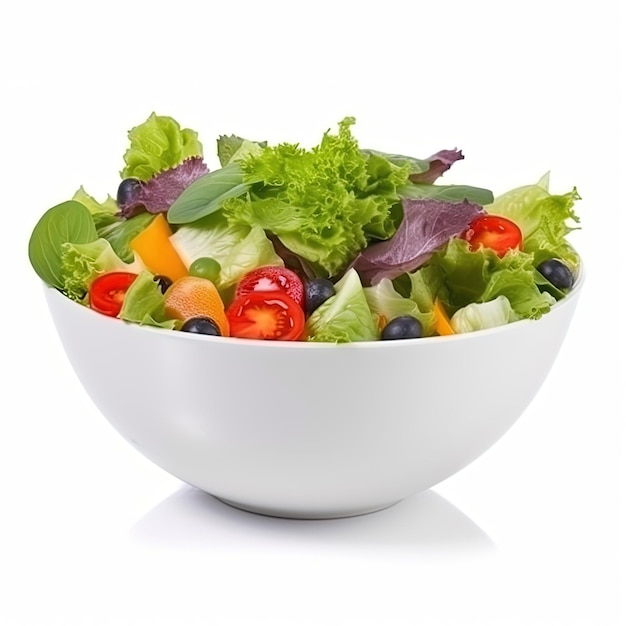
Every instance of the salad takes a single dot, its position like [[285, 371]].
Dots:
[[331, 244]]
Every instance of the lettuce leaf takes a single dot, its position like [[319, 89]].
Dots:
[[231, 148], [480, 316], [481, 276], [157, 145], [344, 317], [386, 303], [82, 263], [544, 219], [120, 232], [108, 207], [238, 249], [324, 204], [144, 303]]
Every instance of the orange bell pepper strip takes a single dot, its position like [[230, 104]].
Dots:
[[156, 251], [442, 321]]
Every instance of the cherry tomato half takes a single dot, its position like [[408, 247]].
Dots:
[[265, 315], [495, 232], [107, 292], [272, 278]]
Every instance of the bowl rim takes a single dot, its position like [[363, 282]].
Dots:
[[313, 345]]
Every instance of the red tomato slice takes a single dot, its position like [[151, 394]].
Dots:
[[107, 292], [495, 232], [265, 315], [272, 278]]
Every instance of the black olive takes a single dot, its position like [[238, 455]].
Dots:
[[317, 291], [202, 324], [127, 190], [557, 273], [402, 327]]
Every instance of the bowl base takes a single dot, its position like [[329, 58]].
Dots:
[[304, 514]]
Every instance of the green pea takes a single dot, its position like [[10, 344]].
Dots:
[[205, 267]]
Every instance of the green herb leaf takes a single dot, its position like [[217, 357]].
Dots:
[[232, 148], [417, 166], [206, 194], [447, 193], [68, 222]]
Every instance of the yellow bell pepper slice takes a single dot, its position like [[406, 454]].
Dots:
[[156, 251], [442, 321]]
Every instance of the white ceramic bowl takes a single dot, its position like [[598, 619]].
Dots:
[[308, 430]]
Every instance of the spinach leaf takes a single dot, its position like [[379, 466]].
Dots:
[[206, 194], [68, 222], [447, 193]]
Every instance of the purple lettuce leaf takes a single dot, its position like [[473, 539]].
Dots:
[[427, 225], [439, 164], [159, 193]]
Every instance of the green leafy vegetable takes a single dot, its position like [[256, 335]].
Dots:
[[207, 194], [145, 304], [120, 232], [238, 249], [83, 262], [157, 145], [323, 204], [427, 284], [416, 166], [483, 315], [545, 220], [68, 222], [447, 193], [481, 276], [344, 317], [231, 148], [108, 207], [385, 302]]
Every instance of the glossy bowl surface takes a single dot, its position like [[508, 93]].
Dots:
[[308, 430]]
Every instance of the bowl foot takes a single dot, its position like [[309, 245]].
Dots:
[[305, 514]]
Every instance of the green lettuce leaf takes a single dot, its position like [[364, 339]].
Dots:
[[108, 207], [157, 145], [324, 204], [82, 263], [231, 148], [427, 284], [344, 317], [544, 219], [144, 303], [238, 249], [480, 316], [120, 232], [481, 276]]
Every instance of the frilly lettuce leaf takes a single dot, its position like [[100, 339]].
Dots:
[[144, 303], [82, 263], [323, 204], [481, 275], [544, 219], [238, 249], [157, 145], [483, 315], [344, 317]]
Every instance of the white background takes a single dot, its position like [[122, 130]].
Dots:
[[93, 534]]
